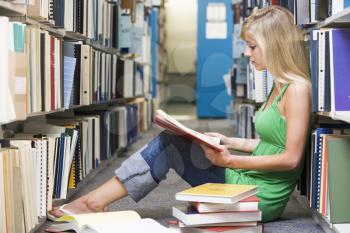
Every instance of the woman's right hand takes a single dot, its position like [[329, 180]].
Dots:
[[223, 139]]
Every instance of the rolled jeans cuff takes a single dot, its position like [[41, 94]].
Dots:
[[136, 177]]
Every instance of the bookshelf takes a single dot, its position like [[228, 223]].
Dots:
[[328, 118], [334, 116], [134, 109], [339, 19], [10, 9]]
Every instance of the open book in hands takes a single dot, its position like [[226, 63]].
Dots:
[[167, 122], [107, 222]]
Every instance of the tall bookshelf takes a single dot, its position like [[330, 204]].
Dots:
[[125, 60], [312, 16]]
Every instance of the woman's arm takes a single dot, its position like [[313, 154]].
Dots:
[[297, 114], [240, 144], [243, 144]]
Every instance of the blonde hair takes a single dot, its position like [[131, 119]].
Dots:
[[281, 42]]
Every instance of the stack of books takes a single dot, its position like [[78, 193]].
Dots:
[[218, 208]]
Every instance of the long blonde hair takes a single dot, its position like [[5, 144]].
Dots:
[[281, 42]]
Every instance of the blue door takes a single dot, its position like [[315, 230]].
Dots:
[[214, 56]]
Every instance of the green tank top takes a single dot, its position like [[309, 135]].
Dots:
[[274, 187]]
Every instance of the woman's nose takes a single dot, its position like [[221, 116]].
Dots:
[[247, 52]]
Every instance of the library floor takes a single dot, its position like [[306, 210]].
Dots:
[[158, 203]]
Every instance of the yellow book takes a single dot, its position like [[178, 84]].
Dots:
[[71, 182], [107, 222], [217, 193]]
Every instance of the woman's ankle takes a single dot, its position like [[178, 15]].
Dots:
[[93, 203]]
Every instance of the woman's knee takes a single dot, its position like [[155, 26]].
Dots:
[[168, 137]]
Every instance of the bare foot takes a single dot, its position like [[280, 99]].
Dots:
[[78, 206], [95, 201]]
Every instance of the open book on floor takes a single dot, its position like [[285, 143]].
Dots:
[[167, 122], [107, 222]]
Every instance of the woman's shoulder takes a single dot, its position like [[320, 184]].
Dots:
[[298, 88], [298, 93]]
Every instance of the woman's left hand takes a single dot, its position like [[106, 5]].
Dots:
[[221, 159]]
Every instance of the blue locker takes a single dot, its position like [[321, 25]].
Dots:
[[214, 59]]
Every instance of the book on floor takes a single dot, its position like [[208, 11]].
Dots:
[[217, 193], [223, 229], [226, 224], [167, 122], [189, 216], [107, 222], [247, 204]]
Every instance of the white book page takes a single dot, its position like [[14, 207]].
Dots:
[[143, 225], [100, 218], [213, 140]]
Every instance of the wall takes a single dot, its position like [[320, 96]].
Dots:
[[181, 39], [181, 29]]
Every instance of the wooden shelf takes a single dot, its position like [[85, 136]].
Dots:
[[238, 100], [342, 18], [103, 105], [10, 9]]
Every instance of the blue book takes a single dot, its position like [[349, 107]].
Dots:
[[68, 78], [317, 165], [125, 32], [314, 68], [241, 77], [128, 126], [154, 50], [19, 37], [58, 12], [95, 19], [327, 74], [340, 45], [60, 165]]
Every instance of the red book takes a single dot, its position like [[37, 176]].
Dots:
[[248, 229], [225, 229]]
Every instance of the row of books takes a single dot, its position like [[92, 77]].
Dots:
[[245, 120], [218, 208], [328, 173], [313, 11], [304, 11], [44, 73], [259, 84], [57, 156], [19, 183], [108, 23], [329, 70], [248, 83]]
